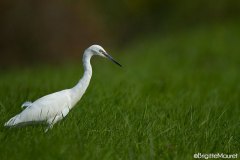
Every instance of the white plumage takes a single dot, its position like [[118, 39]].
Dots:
[[54, 107]]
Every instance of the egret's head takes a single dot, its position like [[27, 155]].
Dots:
[[98, 50]]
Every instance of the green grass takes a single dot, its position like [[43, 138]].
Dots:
[[175, 96]]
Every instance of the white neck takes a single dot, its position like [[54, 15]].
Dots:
[[78, 90]]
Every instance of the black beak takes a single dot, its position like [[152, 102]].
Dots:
[[111, 59]]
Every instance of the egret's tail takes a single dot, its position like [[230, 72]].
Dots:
[[12, 122]]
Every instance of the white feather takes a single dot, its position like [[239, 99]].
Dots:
[[26, 104]]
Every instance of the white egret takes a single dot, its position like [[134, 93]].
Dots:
[[54, 107]]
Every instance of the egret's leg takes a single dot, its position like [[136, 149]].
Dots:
[[52, 121], [57, 118]]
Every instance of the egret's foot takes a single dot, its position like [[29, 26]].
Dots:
[[50, 126]]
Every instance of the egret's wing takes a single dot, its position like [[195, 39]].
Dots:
[[26, 104], [45, 107]]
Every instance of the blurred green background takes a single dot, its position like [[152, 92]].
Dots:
[[178, 93], [35, 32]]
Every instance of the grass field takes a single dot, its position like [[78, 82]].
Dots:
[[175, 96]]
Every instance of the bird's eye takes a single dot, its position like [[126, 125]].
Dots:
[[101, 51]]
